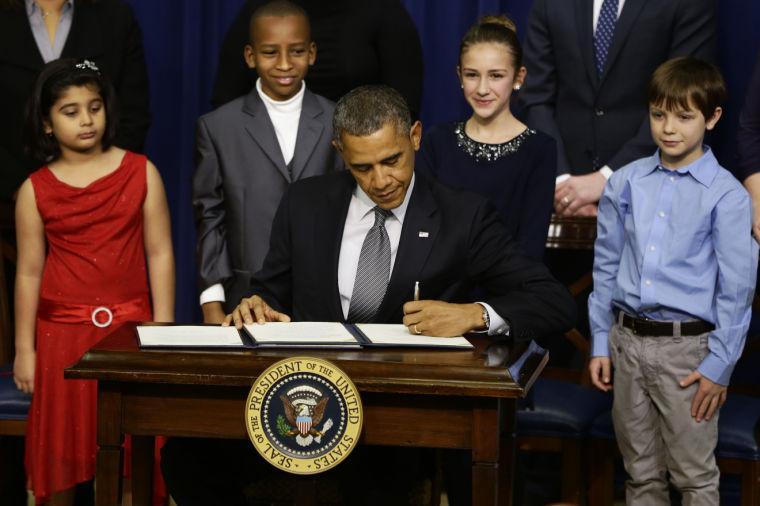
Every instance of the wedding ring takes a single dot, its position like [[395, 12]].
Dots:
[[566, 200], [415, 329]]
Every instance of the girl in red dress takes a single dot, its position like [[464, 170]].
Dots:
[[94, 250]]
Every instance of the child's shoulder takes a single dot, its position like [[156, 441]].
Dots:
[[727, 179], [730, 192], [224, 111]]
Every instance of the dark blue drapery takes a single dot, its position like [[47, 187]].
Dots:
[[182, 40]]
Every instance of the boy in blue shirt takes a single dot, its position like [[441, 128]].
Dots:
[[674, 275]]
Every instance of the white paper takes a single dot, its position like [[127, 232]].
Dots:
[[189, 336], [315, 333], [392, 334]]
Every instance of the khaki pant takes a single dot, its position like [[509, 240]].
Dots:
[[656, 433]]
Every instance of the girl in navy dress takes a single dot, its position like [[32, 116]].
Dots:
[[492, 153]]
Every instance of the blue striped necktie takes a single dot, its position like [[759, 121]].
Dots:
[[605, 30], [372, 272]]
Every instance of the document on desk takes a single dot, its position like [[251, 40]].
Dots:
[[302, 334], [380, 334], [189, 336]]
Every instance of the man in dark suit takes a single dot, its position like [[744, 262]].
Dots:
[[320, 265], [588, 64], [105, 32], [350, 246]]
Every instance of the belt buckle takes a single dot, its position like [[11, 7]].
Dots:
[[101, 309]]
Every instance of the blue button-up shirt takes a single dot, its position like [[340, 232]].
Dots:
[[676, 245]]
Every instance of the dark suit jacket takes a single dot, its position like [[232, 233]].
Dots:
[[466, 247], [240, 178], [748, 134], [105, 32], [603, 121]]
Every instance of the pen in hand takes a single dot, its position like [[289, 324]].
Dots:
[[416, 290]]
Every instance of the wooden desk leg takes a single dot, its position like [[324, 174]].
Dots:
[[507, 450], [110, 437], [485, 454], [142, 470]]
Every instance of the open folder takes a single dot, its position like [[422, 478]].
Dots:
[[292, 335]]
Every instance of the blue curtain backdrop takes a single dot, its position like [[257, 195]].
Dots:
[[182, 40]]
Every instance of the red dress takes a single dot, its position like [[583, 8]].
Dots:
[[95, 258]]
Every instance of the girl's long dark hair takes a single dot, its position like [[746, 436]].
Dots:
[[55, 78]]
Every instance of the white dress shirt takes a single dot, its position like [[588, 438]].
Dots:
[[359, 220]]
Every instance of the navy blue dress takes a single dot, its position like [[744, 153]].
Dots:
[[517, 176]]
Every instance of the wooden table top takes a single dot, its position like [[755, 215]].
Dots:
[[482, 372]]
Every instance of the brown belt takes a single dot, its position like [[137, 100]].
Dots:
[[647, 327]]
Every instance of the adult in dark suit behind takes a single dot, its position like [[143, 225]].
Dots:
[[600, 119], [104, 31]]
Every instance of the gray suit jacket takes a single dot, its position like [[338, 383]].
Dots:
[[239, 179]]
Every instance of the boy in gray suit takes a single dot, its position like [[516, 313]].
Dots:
[[250, 149]]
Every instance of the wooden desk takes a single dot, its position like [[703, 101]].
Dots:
[[202, 394]]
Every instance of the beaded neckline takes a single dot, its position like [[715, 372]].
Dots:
[[483, 152]]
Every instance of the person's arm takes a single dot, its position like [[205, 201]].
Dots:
[[608, 250], [397, 35], [539, 93], [524, 292], [30, 238], [132, 88], [536, 210], [159, 253], [748, 146], [752, 184], [233, 78], [214, 265], [736, 254]]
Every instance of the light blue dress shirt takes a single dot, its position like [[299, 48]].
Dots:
[[676, 245], [48, 51]]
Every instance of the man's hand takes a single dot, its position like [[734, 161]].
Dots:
[[752, 184], [576, 192], [23, 371], [590, 210], [213, 312], [709, 397], [436, 318], [262, 312], [601, 369]]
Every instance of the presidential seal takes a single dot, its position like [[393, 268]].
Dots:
[[303, 415]]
